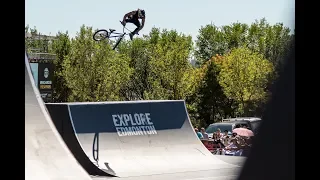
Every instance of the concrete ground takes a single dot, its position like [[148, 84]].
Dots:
[[214, 174]]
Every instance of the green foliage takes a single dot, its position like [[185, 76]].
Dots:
[[168, 64], [139, 59], [236, 64], [61, 47], [160, 65], [93, 71], [271, 41], [210, 41], [244, 76], [212, 104]]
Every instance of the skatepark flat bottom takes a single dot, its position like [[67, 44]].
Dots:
[[216, 174], [213, 174]]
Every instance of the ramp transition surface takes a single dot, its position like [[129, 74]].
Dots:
[[46, 155], [136, 138]]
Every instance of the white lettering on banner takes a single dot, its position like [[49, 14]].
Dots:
[[45, 82], [133, 125]]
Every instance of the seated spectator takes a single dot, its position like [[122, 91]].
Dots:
[[225, 138], [217, 142], [199, 134], [219, 134], [225, 133], [204, 134], [245, 144], [234, 148]]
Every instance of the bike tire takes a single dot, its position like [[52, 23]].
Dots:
[[103, 34]]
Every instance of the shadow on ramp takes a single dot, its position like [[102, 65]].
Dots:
[[60, 114]]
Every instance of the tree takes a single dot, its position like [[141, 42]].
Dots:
[[244, 76], [137, 52], [260, 36], [93, 71], [210, 41], [61, 47], [160, 64], [277, 44], [169, 63], [212, 104], [271, 41], [235, 35]]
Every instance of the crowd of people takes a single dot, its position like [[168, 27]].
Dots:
[[224, 144]]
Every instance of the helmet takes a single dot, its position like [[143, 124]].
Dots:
[[141, 13]]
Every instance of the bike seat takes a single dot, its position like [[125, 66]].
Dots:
[[112, 30]]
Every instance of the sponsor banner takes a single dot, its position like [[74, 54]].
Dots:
[[128, 119], [45, 76]]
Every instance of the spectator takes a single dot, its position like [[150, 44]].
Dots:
[[217, 141], [198, 133], [234, 135], [204, 134], [245, 141], [234, 148], [225, 133], [225, 138], [247, 146], [219, 134]]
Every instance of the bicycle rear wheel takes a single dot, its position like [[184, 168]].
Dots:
[[100, 35]]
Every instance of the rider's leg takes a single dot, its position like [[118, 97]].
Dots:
[[135, 22]]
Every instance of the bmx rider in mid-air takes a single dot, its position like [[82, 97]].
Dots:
[[133, 17]]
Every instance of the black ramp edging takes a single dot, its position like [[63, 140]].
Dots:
[[60, 117]]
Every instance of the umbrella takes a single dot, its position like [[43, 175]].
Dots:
[[243, 132]]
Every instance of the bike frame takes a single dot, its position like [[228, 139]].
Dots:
[[120, 36], [113, 34]]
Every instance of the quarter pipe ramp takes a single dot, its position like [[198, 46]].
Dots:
[[46, 155], [135, 138]]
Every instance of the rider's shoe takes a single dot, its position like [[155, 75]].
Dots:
[[131, 36]]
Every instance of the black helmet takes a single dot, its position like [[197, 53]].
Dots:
[[141, 13]]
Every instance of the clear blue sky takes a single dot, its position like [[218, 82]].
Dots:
[[186, 16]]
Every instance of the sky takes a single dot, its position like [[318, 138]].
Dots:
[[185, 16]]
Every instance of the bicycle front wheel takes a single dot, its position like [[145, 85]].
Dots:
[[100, 35]]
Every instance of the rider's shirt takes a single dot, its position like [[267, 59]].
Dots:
[[135, 15]]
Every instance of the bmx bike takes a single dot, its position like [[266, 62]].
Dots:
[[102, 34]]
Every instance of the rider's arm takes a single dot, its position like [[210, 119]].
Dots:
[[142, 23]]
